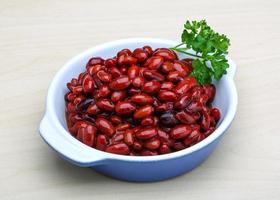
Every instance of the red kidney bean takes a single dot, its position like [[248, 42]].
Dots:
[[148, 153], [128, 137], [188, 61], [133, 71], [153, 75], [164, 149], [146, 133], [115, 72], [147, 121], [77, 90], [148, 50], [154, 62], [105, 126], [123, 69], [120, 83], [205, 122], [81, 78], [101, 142], [104, 91], [79, 124], [167, 86], [185, 118], [215, 113], [142, 99], [125, 52], [125, 107], [104, 76], [138, 82], [94, 69], [118, 96], [165, 53], [133, 91], [111, 62], [88, 84], [152, 144], [151, 87], [181, 67], [120, 148], [143, 112], [185, 85], [117, 138], [179, 146], [89, 135], [175, 76], [166, 96], [74, 82], [167, 67], [194, 107], [180, 131], [79, 99], [210, 91], [71, 107], [95, 61], [129, 60], [122, 127], [93, 109], [183, 101], [140, 54], [105, 104], [137, 145]]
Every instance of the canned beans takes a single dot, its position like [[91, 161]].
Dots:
[[142, 102]]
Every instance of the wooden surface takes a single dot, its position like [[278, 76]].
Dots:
[[38, 37]]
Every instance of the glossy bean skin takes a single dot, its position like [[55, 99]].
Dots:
[[120, 148], [120, 83], [141, 102], [105, 126], [124, 108], [146, 133], [142, 99], [143, 112]]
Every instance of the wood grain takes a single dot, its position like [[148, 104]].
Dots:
[[38, 37]]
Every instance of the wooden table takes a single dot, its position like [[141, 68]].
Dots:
[[38, 37]]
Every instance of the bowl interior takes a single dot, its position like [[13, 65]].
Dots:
[[78, 63]]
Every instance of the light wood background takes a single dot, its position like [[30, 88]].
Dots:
[[37, 37]]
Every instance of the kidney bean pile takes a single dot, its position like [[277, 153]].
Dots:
[[140, 103]]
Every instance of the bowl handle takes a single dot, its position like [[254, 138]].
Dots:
[[81, 156]]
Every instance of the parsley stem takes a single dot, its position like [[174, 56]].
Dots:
[[181, 50]]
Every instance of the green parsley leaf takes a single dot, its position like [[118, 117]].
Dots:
[[210, 47]]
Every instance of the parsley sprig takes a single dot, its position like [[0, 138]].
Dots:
[[210, 47]]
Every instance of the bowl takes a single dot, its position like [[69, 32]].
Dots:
[[53, 128]]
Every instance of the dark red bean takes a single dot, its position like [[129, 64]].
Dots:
[[120, 148], [115, 119], [101, 142], [152, 144], [118, 96], [138, 82], [95, 68], [183, 101], [120, 83], [111, 62], [133, 91], [185, 118], [146, 133], [167, 67], [210, 91], [165, 53], [122, 127], [137, 145], [89, 135], [147, 121], [88, 84], [129, 60], [125, 107], [142, 99], [151, 87], [175, 76], [105, 104], [181, 67], [153, 75], [140, 54], [167, 86], [148, 153], [95, 61], [93, 109], [154, 62], [143, 112], [133, 71], [128, 137], [185, 85], [178, 146], [164, 149], [104, 91], [115, 72], [148, 50], [180, 131], [166, 96], [104, 76], [105, 126], [215, 113]]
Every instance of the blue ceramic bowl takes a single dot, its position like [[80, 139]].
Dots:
[[54, 131]]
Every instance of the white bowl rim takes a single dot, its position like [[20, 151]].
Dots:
[[103, 156]]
